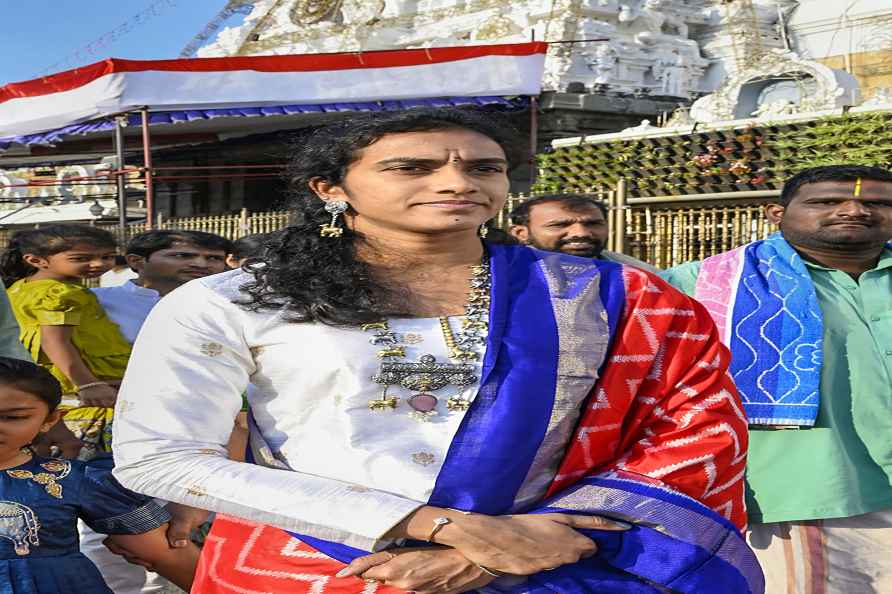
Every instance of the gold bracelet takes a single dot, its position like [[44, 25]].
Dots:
[[90, 385]]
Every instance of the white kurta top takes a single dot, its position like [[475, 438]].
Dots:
[[113, 277], [127, 305], [354, 472]]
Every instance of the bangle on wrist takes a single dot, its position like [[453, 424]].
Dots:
[[438, 525], [90, 385]]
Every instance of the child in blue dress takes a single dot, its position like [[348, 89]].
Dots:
[[41, 500]]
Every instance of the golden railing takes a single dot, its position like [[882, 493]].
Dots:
[[664, 231], [230, 226], [670, 230], [668, 237]]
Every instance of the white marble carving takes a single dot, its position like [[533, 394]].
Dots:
[[644, 127], [738, 95], [775, 108], [881, 96], [646, 49], [602, 60], [674, 74], [738, 31]]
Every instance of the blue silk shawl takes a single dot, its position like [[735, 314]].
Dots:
[[546, 305]]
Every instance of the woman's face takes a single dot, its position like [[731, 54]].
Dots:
[[423, 183]]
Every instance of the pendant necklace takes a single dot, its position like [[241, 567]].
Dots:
[[427, 375]]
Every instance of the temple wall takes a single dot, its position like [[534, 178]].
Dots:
[[872, 69], [825, 28]]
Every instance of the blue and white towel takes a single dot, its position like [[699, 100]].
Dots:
[[763, 301]]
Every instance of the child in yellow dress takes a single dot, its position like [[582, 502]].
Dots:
[[62, 324]]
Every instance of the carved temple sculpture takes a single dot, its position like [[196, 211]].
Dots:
[[808, 87], [733, 57], [647, 47], [758, 73]]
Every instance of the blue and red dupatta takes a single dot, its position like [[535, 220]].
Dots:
[[660, 443]]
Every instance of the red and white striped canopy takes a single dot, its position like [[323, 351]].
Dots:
[[114, 86]]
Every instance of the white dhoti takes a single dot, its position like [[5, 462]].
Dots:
[[834, 556]]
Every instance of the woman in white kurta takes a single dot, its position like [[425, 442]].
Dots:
[[393, 401]]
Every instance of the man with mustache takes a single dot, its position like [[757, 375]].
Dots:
[[163, 261], [574, 224], [807, 314]]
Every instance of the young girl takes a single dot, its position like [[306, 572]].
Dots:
[[42, 498], [62, 324]]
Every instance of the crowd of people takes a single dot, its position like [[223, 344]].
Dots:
[[387, 397], [83, 339]]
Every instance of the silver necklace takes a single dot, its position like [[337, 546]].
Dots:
[[427, 375]]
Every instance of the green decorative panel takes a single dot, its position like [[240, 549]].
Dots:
[[757, 157]]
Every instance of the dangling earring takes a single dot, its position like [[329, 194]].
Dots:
[[483, 231], [336, 208]]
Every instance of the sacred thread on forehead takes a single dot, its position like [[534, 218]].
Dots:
[[857, 188]]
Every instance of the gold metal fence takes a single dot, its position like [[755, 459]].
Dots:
[[230, 226], [666, 237], [669, 230]]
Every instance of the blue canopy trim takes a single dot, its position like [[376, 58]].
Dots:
[[190, 115]]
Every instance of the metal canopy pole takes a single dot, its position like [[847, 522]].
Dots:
[[147, 166], [120, 179], [622, 191], [534, 136], [534, 126]]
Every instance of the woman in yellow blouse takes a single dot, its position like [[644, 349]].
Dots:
[[62, 324]]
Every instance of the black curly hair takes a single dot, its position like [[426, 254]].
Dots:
[[46, 241], [148, 242], [319, 279], [250, 246], [32, 378]]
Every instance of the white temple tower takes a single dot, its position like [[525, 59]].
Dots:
[[627, 59]]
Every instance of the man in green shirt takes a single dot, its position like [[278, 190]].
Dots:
[[820, 496]]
